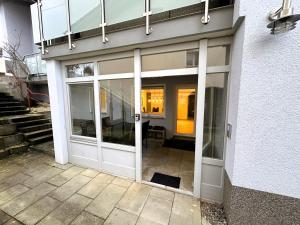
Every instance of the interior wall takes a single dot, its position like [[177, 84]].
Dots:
[[170, 99]]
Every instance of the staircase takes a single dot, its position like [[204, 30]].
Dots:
[[36, 128]]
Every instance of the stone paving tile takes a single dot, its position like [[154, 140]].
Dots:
[[90, 173], [13, 222], [135, 198], [13, 180], [186, 210], [66, 212], [122, 182], [118, 217], [4, 217], [65, 176], [68, 189], [144, 221], [23, 201], [38, 210], [60, 166], [163, 194], [41, 176], [157, 210], [86, 218], [12, 192], [106, 201], [9, 170], [93, 188]]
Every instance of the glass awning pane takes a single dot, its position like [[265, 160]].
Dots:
[[117, 11], [84, 15], [158, 6], [54, 18]]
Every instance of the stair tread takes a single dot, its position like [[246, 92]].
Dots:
[[34, 126], [30, 121], [40, 137], [37, 131]]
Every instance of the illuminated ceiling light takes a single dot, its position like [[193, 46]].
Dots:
[[283, 19]]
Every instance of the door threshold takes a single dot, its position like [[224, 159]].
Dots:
[[167, 188]]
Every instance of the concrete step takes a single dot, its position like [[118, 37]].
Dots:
[[15, 149], [41, 139], [11, 108], [6, 98], [10, 103], [10, 140], [16, 112], [31, 123], [37, 133], [3, 94], [28, 117], [35, 127]]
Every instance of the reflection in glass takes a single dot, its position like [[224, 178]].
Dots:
[[158, 6], [170, 60], [54, 18], [214, 115], [80, 70], [218, 56], [82, 109], [117, 97], [124, 65], [117, 11], [153, 99], [85, 15]]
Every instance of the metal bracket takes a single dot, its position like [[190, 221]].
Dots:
[[103, 23], [206, 18], [147, 14]]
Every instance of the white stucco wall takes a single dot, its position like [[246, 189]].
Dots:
[[264, 153]]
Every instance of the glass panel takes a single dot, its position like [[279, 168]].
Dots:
[[54, 18], [117, 11], [85, 15], [153, 100], [80, 70], [218, 56], [82, 109], [214, 115], [117, 111], [185, 122], [158, 6], [170, 60], [114, 66]]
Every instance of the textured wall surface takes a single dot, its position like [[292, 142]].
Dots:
[[267, 144]]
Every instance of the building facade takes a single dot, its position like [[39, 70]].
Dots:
[[196, 91]]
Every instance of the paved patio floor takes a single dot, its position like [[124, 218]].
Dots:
[[36, 190]]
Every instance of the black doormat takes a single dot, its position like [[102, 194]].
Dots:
[[188, 145], [167, 180]]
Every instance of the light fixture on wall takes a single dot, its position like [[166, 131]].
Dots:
[[283, 19]]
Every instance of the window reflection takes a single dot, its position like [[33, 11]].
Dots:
[[80, 70], [117, 111], [82, 109], [214, 115]]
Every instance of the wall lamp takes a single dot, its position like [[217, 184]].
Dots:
[[283, 19]]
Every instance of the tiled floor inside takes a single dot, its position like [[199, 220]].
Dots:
[[36, 190], [169, 161]]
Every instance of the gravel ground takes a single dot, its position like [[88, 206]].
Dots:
[[213, 213]]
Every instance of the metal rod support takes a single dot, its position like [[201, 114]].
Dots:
[[147, 15], [206, 18], [39, 5], [69, 33], [103, 24]]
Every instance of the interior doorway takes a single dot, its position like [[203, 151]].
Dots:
[[168, 126], [185, 121]]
